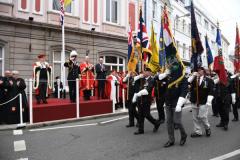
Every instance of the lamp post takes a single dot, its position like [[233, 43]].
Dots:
[[175, 19]]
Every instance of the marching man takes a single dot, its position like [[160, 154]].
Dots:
[[42, 76]]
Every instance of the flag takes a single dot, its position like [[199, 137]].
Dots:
[[209, 53], [61, 12], [154, 60], [173, 60], [162, 53], [67, 2], [237, 52], [143, 45], [218, 65], [132, 61], [197, 47]]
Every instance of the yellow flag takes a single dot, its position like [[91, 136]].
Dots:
[[67, 2], [154, 60]]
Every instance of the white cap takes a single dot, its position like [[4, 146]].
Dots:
[[15, 72], [73, 53]]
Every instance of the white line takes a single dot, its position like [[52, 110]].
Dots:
[[54, 128], [228, 155], [112, 120], [17, 132], [23, 159], [19, 146]]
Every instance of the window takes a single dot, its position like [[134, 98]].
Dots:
[[154, 9], [95, 18], [177, 21], [184, 51], [38, 6], [132, 15], [116, 63], [189, 29], [112, 11], [212, 30], [206, 24], [177, 44], [23, 5], [183, 25], [57, 6], [86, 8], [1, 61], [198, 17]]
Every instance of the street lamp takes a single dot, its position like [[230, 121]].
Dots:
[[175, 19]]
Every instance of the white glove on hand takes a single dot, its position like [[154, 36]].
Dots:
[[126, 78], [134, 98], [234, 76], [209, 100], [138, 77], [164, 75], [233, 98], [142, 93], [216, 80], [180, 103], [192, 77]]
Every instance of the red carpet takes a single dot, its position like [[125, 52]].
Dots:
[[58, 109]]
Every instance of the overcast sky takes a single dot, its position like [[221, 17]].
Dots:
[[227, 12]]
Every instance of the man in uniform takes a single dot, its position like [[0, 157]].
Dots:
[[159, 93], [73, 74], [201, 96], [224, 96], [144, 100], [87, 78], [235, 96], [42, 75], [101, 77], [131, 89], [175, 98]]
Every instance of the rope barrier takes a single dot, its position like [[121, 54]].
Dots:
[[9, 100]]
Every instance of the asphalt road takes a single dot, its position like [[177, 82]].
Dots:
[[92, 140]]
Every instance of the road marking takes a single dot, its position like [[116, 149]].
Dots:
[[17, 132], [23, 159], [228, 155], [19, 146], [112, 120], [63, 127]]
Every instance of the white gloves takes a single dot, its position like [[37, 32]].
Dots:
[[142, 93], [209, 100], [191, 78], [216, 80], [233, 98], [138, 77], [126, 78], [180, 103], [134, 98], [164, 75], [235, 75]]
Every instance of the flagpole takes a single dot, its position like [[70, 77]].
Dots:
[[63, 55]]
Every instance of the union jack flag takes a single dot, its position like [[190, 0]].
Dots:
[[61, 12]]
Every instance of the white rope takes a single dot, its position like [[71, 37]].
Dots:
[[9, 100]]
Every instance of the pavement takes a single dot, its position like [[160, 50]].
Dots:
[[107, 138]]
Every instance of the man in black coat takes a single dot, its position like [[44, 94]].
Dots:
[[101, 77], [224, 96], [201, 96], [144, 100], [132, 88], [175, 98], [235, 96], [73, 74]]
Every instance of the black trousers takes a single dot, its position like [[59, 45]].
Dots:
[[235, 108], [160, 108], [215, 107], [144, 112], [101, 88], [72, 90], [224, 108], [132, 112], [86, 94], [42, 91]]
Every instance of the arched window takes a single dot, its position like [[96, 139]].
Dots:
[[116, 63]]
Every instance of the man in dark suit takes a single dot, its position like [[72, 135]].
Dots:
[[201, 96], [101, 77], [73, 74]]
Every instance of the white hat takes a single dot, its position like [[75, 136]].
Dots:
[[73, 53], [15, 72]]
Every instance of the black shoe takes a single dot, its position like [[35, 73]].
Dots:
[[45, 102], [225, 127], [194, 135], [235, 120], [219, 125], [138, 132], [208, 132], [183, 140], [168, 144], [130, 125], [155, 129]]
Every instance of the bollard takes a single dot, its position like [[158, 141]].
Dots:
[[77, 98], [21, 113], [123, 99], [58, 87]]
